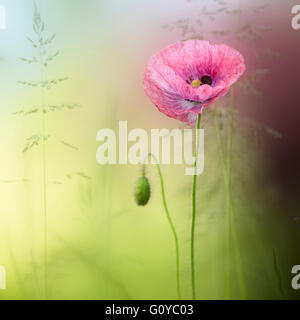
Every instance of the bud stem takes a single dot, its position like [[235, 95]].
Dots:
[[172, 226]]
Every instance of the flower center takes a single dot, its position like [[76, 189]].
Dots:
[[197, 83], [206, 80]]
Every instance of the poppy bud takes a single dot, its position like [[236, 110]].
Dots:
[[142, 191]]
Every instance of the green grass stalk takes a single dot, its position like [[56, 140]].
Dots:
[[231, 230], [194, 211], [171, 224]]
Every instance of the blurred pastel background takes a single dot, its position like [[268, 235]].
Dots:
[[101, 245]]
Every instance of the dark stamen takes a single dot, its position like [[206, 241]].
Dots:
[[206, 80]]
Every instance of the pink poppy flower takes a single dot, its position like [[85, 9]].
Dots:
[[186, 77]]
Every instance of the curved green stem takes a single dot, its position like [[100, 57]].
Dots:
[[194, 211], [163, 195]]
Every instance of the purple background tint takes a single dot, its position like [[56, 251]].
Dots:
[[281, 104], [279, 107]]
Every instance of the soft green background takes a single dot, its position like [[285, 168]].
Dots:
[[101, 244]]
